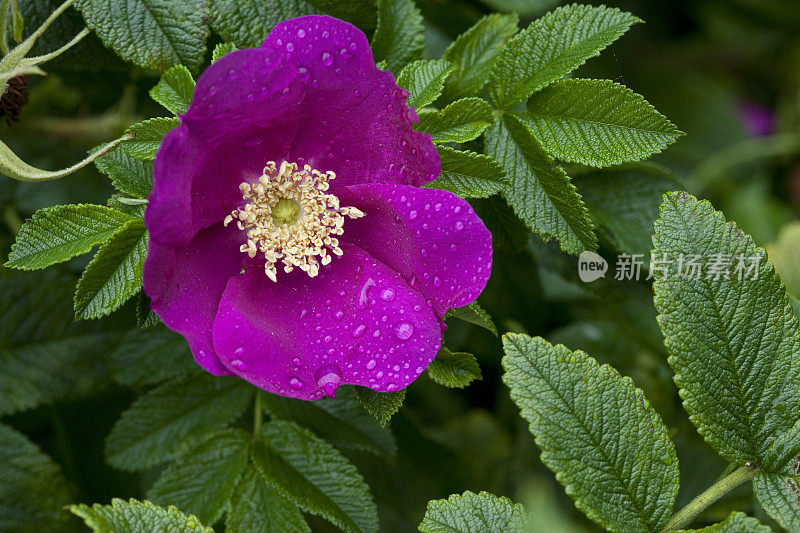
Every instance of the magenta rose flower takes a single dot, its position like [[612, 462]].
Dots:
[[290, 240]]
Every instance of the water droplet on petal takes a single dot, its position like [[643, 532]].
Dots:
[[363, 298], [295, 383], [412, 215], [328, 378], [327, 59], [403, 330], [238, 351], [387, 295], [338, 315], [371, 364], [360, 329], [289, 47], [301, 33], [237, 363], [459, 225]]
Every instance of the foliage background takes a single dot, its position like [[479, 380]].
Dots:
[[702, 63]]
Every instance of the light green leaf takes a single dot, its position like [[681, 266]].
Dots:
[[148, 135], [597, 432], [128, 175], [150, 357], [459, 122], [136, 516], [552, 47], [540, 192], [246, 23], [474, 53], [153, 34], [736, 522], [341, 421], [454, 369], [221, 50], [204, 477], [44, 356], [175, 89], [382, 405], [624, 202], [315, 476], [399, 37], [733, 343], [780, 497], [468, 175], [424, 80], [115, 273], [59, 233], [33, 490], [152, 431], [474, 314], [474, 513], [257, 508], [597, 123]]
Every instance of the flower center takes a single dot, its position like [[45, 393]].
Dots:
[[290, 218]]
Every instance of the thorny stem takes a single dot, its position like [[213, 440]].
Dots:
[[685, 516]]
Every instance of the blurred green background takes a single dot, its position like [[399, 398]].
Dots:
[[726, 72]]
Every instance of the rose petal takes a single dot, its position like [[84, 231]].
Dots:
[[355, 120], [185, 284], [243, 114], [358, 322], [432, 237]]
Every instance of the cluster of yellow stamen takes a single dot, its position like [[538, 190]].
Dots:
[[289, 217]]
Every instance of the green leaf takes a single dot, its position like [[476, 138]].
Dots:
[[150, 357], [59, 233], [597, 432], [246, 23], [382, 405], [257, 508], [474, 513], [474, 314], [33, 490], [204, 477], [540, 193], [736, 522], [474, 53], [424, 80], [780, 497], [44, 356], [128, 175], [361, 13], [115, 273], [624, 202], [315, 476], [221, 50], [469, 175], [552, 47], [399, 37], [152, 431], [153, 34], [454, 369], [175, 89], [459, 122], [597, 123], [733, 343], [135, 516], [341, 421], [148, 136]]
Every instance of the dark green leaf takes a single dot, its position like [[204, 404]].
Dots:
[[474, 314], [469, 175], [134, 516], [152, 431], [150, 357], [204, 477], [154, 34], [258, 508], [736, 522], [540, 192], [149, 134], [597, 432], [399, 37], [175, 89], [246, 23], [59, 233], [128, 175], [454, 369], [779, 495], [459, 122], [552, 47], [115, 273], [314, 475], [382, 405]]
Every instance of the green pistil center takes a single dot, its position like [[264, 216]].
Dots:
[[285, 212]]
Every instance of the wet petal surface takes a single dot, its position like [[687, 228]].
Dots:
[[358, 323], [432, 237]]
